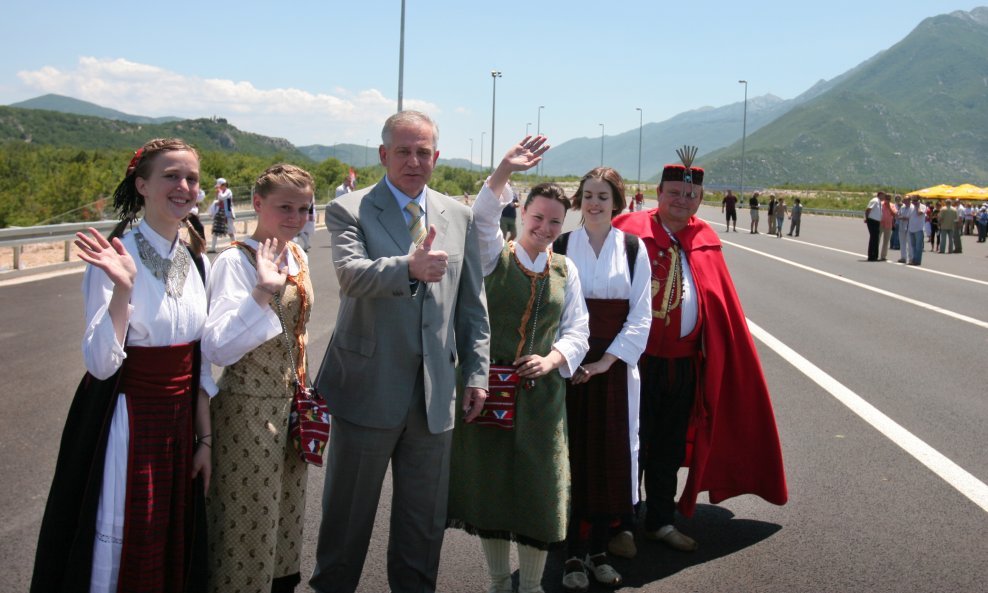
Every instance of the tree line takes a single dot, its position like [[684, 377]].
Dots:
[[48, 184]]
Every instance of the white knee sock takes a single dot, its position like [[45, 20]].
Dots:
[[497, 552], [531, 566]]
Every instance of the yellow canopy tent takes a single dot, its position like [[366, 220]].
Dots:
[[964, 192], [937, 191]]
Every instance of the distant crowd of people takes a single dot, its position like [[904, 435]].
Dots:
[[907, 223], [776, 214]]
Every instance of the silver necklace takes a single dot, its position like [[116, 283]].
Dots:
[[170, 272]]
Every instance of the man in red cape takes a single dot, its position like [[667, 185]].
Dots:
[[705, 404]]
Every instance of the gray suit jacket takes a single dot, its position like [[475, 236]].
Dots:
[[387, 328]]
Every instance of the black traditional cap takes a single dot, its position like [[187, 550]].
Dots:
[[677, 172]]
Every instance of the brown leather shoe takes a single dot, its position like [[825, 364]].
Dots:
[[673, 538], [623, 545]]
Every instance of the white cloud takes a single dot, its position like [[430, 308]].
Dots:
[[298, 115]]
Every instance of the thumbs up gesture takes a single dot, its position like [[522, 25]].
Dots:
[[427, 265]]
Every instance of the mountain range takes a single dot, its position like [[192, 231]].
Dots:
[[63, 104], [912, 115]]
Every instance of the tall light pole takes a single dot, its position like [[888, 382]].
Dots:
[[601, 144], [528, 125], [641, 115], [538, 132], [471, 154], [744, 134], [482, 150], [495, 74], [401, 58]]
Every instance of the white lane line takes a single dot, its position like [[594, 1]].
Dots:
[[858, 255], [41, 276], [892, 295], [959, 478]]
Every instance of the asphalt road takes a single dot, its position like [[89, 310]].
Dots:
[[877, 373]]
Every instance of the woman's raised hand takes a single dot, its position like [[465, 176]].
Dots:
[[526, 154], [521, 157], [109, 256], [272, 266]]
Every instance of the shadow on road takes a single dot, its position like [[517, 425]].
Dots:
[[716, 530]]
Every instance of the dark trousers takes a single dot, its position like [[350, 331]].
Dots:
[[874, 234], [358, 459], [794, 226], [668, 391]]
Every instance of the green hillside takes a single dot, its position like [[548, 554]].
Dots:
[[50, 128], [912, 116], [63, 104]]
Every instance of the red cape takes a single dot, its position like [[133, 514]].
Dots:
[[733, 444]]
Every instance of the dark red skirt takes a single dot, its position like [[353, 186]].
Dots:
[[158, 385], [597, 414]]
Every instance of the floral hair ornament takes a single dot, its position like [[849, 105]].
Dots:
[[136, 160]]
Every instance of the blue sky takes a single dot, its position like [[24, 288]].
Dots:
[[323, 72]]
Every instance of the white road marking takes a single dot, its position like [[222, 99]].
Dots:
[[42, 276], [898, 297], [858, 255], [959, 478]]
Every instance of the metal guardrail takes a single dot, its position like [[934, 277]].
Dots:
[[17, 237]]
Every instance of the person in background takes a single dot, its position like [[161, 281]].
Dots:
[[125, 505], [603, 396], [701, 375], [753, 204], [780, 216], [888, 220], [873, 219], [193, 219], [946, 218], [894, 242], [934, 214], [958, 226], [728, 207], [256, 510], [508, 222], [917, 222], [771, 214], [795, 217], [981, 219], [223, 215], [309, 229], [903, 216], [513, 485]]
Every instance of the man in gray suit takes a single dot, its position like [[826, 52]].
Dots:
[[412, 307]]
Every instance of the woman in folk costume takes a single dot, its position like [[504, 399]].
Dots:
[[603, 396], [513, 484], [257, 504], [222, 211], [125, 511]]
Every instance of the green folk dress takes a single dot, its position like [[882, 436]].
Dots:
[[514, 484]]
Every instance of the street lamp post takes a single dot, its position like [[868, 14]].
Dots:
[[744, 134], [601, 144], [538, 132], [471, 154], [482, 134], [528, 125], [641, 115], [495, 74], [401, 58]]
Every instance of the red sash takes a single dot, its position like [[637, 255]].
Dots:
[[157, 382]]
